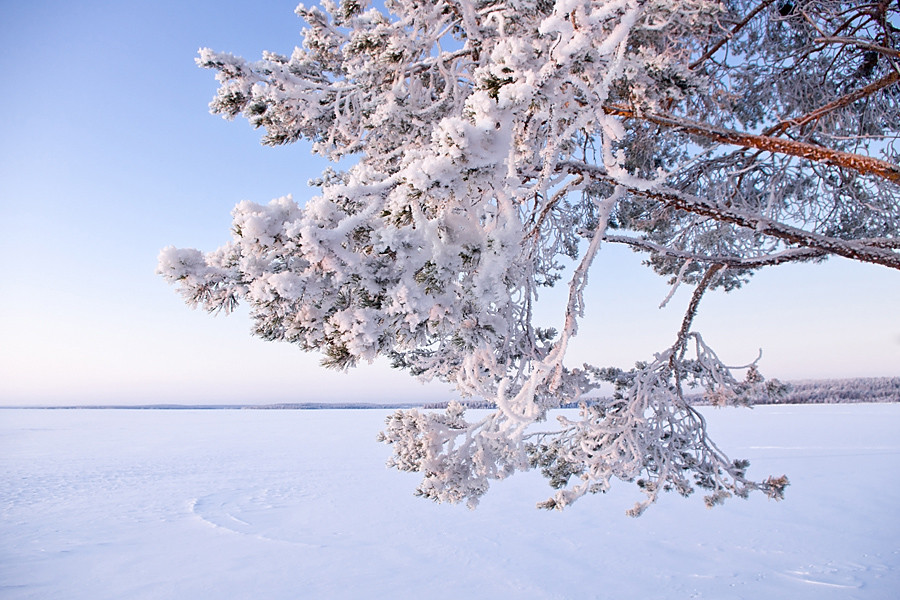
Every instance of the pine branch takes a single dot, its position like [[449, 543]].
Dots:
[[856, 162], [715, 48], [853, 249], [786, 256], [890, 78], [859, 44]]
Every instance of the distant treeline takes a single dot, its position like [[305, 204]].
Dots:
[[819, 391], [328, 406], [842, 391], [279, 406]]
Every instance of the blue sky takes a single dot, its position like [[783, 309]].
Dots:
[[108, 154]]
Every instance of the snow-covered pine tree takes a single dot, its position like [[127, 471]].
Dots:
[[495, 147]]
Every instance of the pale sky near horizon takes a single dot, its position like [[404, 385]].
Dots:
[[108, 153]]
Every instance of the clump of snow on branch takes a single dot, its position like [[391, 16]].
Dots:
[[494, 148]]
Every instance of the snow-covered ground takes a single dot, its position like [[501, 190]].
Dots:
[[298, 504]]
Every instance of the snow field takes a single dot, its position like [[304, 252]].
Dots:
[[298, 504]]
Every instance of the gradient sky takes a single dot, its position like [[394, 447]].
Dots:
[[108, 153]]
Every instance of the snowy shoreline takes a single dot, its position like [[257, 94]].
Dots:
[[863, 390]]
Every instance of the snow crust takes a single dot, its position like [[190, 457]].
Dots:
[[298, 504]]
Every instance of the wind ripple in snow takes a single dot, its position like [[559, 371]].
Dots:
[[831, 576], [263, 513]]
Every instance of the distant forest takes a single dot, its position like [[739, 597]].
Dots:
[[838, 391], [819, 391]]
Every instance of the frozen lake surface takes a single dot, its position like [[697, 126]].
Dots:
[[268, 505]]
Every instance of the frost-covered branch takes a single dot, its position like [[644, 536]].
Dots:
[[860, 44], [861, 250], [889, 79], [865, 165], [734, 31], [785, 256], [486, 150]]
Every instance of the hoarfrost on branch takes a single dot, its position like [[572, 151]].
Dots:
[[484, 150]]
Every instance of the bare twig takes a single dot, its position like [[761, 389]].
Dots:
[[715, 47], [859, 44]]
